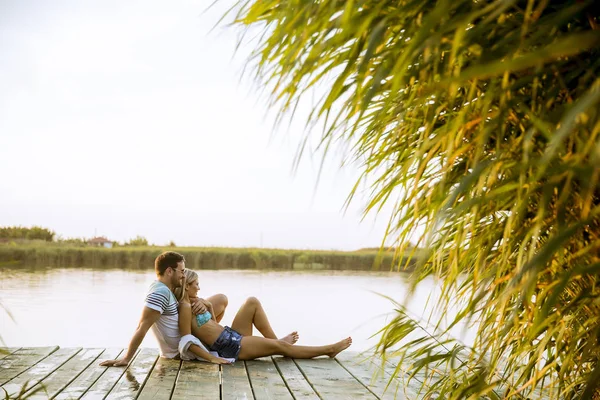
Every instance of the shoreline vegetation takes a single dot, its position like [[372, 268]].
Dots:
[[59, 255]]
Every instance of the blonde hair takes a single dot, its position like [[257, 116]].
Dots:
[[189, 276]]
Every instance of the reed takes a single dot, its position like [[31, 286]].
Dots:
[[478, 124], [66, 256]]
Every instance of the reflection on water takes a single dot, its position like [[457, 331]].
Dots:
[[101, 308], [134, 384]]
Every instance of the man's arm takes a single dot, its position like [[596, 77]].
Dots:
[[149, 317]]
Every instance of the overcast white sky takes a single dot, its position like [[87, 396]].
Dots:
[[127, 117]]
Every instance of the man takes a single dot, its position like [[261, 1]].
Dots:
[[160, 309]]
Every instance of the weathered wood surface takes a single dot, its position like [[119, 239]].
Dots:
[[376, 375], [198, 380], [82, 383], [21, 360], [135, 376], [331, 380], [6, 351], [103, 385], [297, 383], [161, 382], [235, 383], [53, 373], [266, 382], [32, 376], [64, 375]]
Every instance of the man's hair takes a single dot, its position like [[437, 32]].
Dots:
[[166, 260]]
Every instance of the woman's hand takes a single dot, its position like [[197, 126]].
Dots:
[[219, 360], [200, 306], [115, 363]]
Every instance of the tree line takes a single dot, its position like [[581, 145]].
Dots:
[[20, 233], [33, 233]]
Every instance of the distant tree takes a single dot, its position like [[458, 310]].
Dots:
[[172, 244], [33, 233], [39, 233], [138, 241]]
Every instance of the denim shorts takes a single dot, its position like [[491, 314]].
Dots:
[[228, 344]]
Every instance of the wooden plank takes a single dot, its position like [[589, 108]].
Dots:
[[63, 376], [423, 380], [198, 380], [6, 351], [417, 385], [105, 382], [296, 382], [135, 377], [39, 371], [236, 384], [265, 380], [331, 381], [371, 373], [161, 382], [87, 378], [21, 360]]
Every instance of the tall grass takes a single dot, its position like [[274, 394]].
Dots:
[[480, 122], [196, 258]]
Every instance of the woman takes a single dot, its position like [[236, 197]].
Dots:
[[237, 342]]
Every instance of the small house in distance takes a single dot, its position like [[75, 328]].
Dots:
[[100, 241]]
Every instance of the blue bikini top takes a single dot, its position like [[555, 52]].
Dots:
[[203, 318]]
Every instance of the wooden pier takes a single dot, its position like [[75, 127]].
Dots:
[[74, 373]]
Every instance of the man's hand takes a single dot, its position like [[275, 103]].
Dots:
[[115, 363], [149, 317], [200, 306]]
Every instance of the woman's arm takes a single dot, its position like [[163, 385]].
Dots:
[[185, 318], [200, 352]]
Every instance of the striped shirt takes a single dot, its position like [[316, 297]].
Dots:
[[166, 329]]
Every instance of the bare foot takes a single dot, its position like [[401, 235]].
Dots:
[[291, 338], [339, 347]]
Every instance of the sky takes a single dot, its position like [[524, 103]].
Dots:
[[124, 118]]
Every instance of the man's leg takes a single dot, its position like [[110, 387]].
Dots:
[[219, 303]]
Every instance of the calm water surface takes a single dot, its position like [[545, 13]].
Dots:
[[101, 308]]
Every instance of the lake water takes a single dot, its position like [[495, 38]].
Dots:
[[101, 308]]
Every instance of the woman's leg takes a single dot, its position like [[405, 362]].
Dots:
[[254, 347], [252, 313], [219, 303]]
